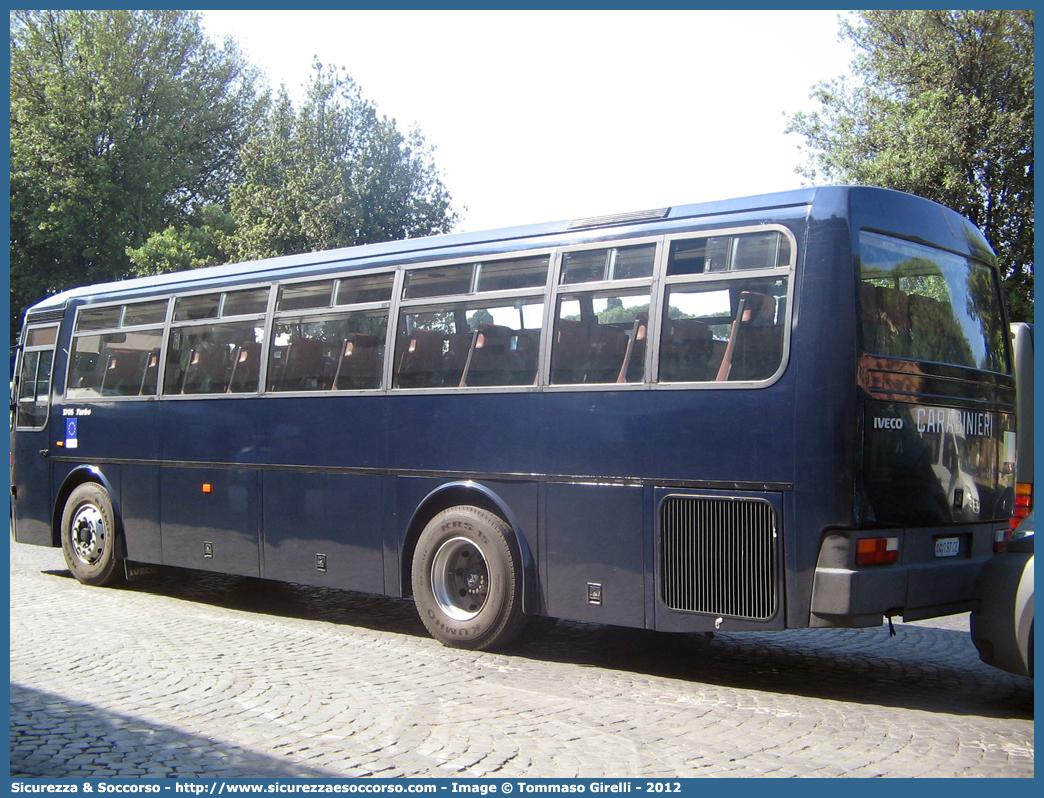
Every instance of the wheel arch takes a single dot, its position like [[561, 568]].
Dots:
[[452, 494], [79, 476]]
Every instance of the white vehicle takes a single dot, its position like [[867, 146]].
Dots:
[[1002, 623], [1022, 352]]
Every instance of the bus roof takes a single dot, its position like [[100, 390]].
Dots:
[[375, 255]]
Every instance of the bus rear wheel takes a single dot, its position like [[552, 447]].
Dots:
[[467, 579], [89, 536]]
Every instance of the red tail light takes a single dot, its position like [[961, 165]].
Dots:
[[1023, 502], [877, 551], [1000, 539]]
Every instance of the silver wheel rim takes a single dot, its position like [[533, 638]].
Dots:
[[87, 533], [460, 579]]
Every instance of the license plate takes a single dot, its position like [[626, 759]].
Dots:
[[947, 547]]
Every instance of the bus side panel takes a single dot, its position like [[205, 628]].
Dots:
[[324, 529], [139, 505], [825, 408], [92, 437], [210, 519], [127, 432], [594, 560], [209, 488], [31, 490]]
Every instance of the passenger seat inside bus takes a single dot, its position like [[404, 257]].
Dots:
[[302, 366], [633, 367], [587, 353], [430, 359], [123, 372], [150, 378], [245, 368], [501, 356], [755, 346], [208, 370], [686, 352], [359, 363]]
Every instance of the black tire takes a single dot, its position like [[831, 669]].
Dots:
[[467, 579], [1029, 651], [89, 536]]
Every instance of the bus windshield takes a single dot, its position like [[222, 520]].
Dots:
[[923, 303]]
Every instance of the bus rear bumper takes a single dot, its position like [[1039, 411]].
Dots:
[[918, 585]]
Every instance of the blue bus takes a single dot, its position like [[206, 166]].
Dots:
[[789, 410]]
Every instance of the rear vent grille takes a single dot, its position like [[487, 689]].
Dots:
[[632, 217], [45, 315], [719, 556]]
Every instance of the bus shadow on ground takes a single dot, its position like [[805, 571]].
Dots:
[[56, 737], [281, 599], [921, 667]]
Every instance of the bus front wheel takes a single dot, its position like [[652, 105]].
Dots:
[[89, 536], [467, 579]]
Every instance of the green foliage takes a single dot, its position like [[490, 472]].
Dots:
[[921, 276], [618, 314], [196, 244], [333, 174], [139, 147], [941, 106], [124, 124], [481, 316]]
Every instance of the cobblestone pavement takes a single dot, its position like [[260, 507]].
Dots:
[[189, 674]]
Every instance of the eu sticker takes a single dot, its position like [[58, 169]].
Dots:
[[71, 441]]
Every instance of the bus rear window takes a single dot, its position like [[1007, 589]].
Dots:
[[921, 303]]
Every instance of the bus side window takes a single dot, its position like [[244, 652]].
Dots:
[[600, 338], [212, 359], [87, 367], [130, 364], [123, 362], [503, 351], [470, 345], [723, 331], [33, 392], [341, 352], [756, 341], [34, 377]]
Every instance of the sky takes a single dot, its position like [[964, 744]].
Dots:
[[542, 116]]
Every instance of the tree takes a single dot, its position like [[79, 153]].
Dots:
[[123, 124], [333, 174], [942, 107], [199, 242]]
